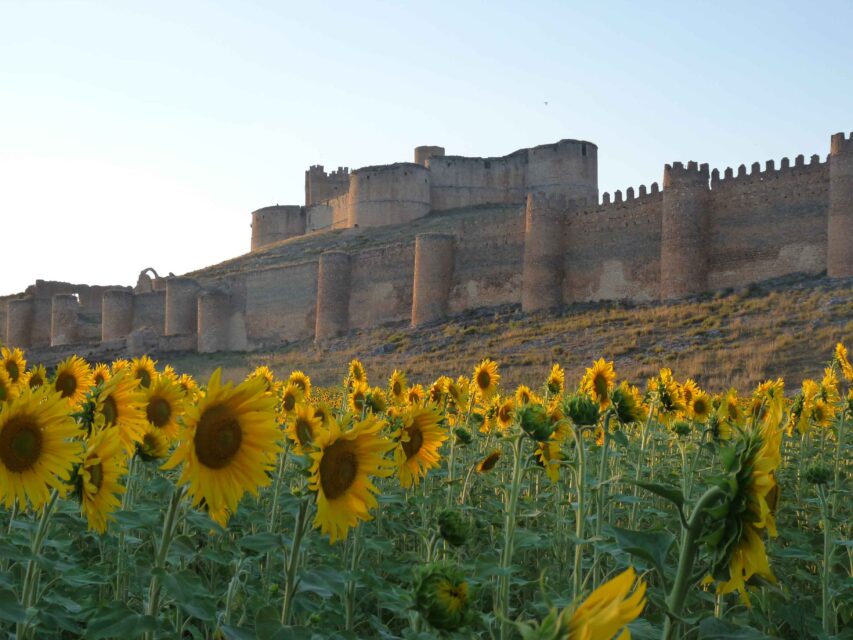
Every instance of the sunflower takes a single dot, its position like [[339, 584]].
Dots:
[[549, 455], [154, 445], [488, 463], [357, 396], [628, 404], [556, 381], [291, 396], [8, 390], [303, 428], [458, 391], [420, 440], [38, 447], [441, 597], [415, 395], [599, 381], [822, 413], [324, 413], [843, 362], [14, 363], [144, 369], [36, 377], [104, 463], [169, 373], [397, 385], [505, 413], [264, 373], [689, 390], [768, 401], [340, 474], [524, 395], [164, 404], [100, 374], [72, 379], [189, 386], [438, 390], [609, 608], [737, 548], [376, 400], [729, 410], [118, 365], [302, 381], [228, 446], [701, 407], [666, 393], [357, 372], [486, 378], [121, 405]]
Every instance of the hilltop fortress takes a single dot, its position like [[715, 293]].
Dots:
[[423, 240]]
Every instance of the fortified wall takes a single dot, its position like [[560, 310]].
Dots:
[[417, 242]]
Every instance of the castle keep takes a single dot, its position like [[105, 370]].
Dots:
[[423, 240]]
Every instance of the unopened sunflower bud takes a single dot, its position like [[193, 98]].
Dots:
[[535, 422], [819, 474], [463, 436], [452, 527], [441, 597], [581, 409], [681, 428]]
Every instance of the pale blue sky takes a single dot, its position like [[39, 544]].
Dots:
[[136, 134]]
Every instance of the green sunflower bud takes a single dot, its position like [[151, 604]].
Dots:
[[535, 422], [581, 409], [463, 436], [819, 474], [441, 597], [681, 428], [452, 527]]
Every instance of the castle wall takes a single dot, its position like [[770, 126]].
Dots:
[[458, 181], [280, 302], [381, 285], [333, 294], [388, 194], [149, 311], [567, 167], [321, 186], [63, 323], [612, 251], [840, 223], [277, 223], [769, 223]]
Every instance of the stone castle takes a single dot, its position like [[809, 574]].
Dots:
[[423, 240]]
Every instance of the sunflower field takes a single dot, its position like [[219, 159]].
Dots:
[[137, 502]]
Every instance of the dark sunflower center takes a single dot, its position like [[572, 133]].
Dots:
[[397, 390], [416, 441], [489, 463], [217, 437], [66, 384], [484, 379], [12, 370], [36, 381], [338, 469], [20, 444], [599, 383], [159, 411], [110, 411], [99, 378], [144, 378], [503, 414], [732, 412], [358, 401], [303, 432], [96, 475], [299, 382], [700, 408], [289, 401]]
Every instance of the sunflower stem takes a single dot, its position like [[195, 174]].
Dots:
[[601, 493], [826, 599], [678, 594], [350, 588], [640, 461], [291, 563], [169, 526], [580, 516], [839, 461], [509, 536], [31, 575]]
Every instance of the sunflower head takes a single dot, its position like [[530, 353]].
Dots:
[[442, 597], [98, 486], [628, 404], [556, 381], [486, 378], [415, 395], [72, 379], [548, 456], [228, 446], [505, 412], [14, 363], [154, 445], [264, 373], [358, 397], [398, 386], [420, 440], [144, 369], [120, 405], [8, 390], [291, 397], [463, 436], [489, 462], [164, 404], [376, 400], [188, 385], [36, 377], [535, 421], [39, 446], [609, 608], [357, 372], [438, 390], [843, 362], [100, 374], [302, 381], [599, 381], [303, 428]]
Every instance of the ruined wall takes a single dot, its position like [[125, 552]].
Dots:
[[612, 251], [769, 223], [277, 223], [280, 302], [321, 186]]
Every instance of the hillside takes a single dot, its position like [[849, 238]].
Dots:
[[735, 338]]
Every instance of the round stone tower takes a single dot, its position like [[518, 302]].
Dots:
[[542, 270], [839, 252], [277, 223], [333, 289], [116, 314], [388, 194], [424, 153], [181, 306], [435, 254], [63, 319], [214, 318], [567, 167], [19, 320], [683, 256]]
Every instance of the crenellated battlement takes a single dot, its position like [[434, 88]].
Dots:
[[839, 143], [630, 195], [755, 173], [679, 175], [554, 202]]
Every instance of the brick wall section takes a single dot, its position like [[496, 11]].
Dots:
[[381, 285], [280, 302]]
